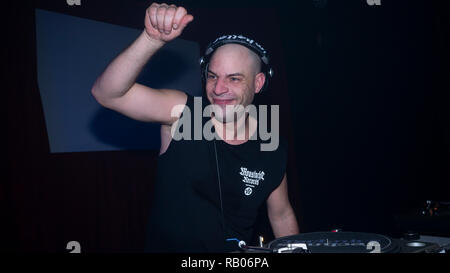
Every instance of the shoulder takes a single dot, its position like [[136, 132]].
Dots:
[[194, 102], [274, 145], [282, 150], [278, 157]]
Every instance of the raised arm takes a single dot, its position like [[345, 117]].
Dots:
[[116, 88]]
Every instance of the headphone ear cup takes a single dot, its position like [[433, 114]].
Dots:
[[205, 72], [203, 68]]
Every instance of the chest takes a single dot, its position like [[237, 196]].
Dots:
[[241, 179]]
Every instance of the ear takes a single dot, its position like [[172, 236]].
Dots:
[[260, 78]]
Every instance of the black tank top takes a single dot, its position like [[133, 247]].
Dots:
[[191, 211]]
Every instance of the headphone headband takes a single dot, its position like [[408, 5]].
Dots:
[[242, 40]]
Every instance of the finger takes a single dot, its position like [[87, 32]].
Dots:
[[160, 14], [152, 15], [186, 20], [180, 13], [169, 18]]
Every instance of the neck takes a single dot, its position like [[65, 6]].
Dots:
[[236, 132]]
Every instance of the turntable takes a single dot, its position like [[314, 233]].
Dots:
[[342, 242]]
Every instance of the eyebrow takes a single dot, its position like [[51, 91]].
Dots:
[[229, 75]]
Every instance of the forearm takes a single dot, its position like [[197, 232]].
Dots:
[[121, 73], [284, 224]]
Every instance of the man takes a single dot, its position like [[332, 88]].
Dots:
[[207, 193]]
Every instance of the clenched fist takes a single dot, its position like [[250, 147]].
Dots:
[[166, 22]]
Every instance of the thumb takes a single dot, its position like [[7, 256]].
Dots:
[[185, 21]]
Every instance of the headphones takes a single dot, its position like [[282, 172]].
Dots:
[[240, 40]]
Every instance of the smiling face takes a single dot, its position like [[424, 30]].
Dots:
[[233, 78]]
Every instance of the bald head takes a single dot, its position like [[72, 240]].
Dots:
[[240, 54]]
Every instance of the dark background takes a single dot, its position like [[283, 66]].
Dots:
[[363, 94]]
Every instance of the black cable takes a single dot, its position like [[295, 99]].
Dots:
[[220, 188]]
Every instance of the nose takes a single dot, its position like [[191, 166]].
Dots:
[[220, 87]]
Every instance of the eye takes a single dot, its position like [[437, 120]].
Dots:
[[211, 77], [235, 79]]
